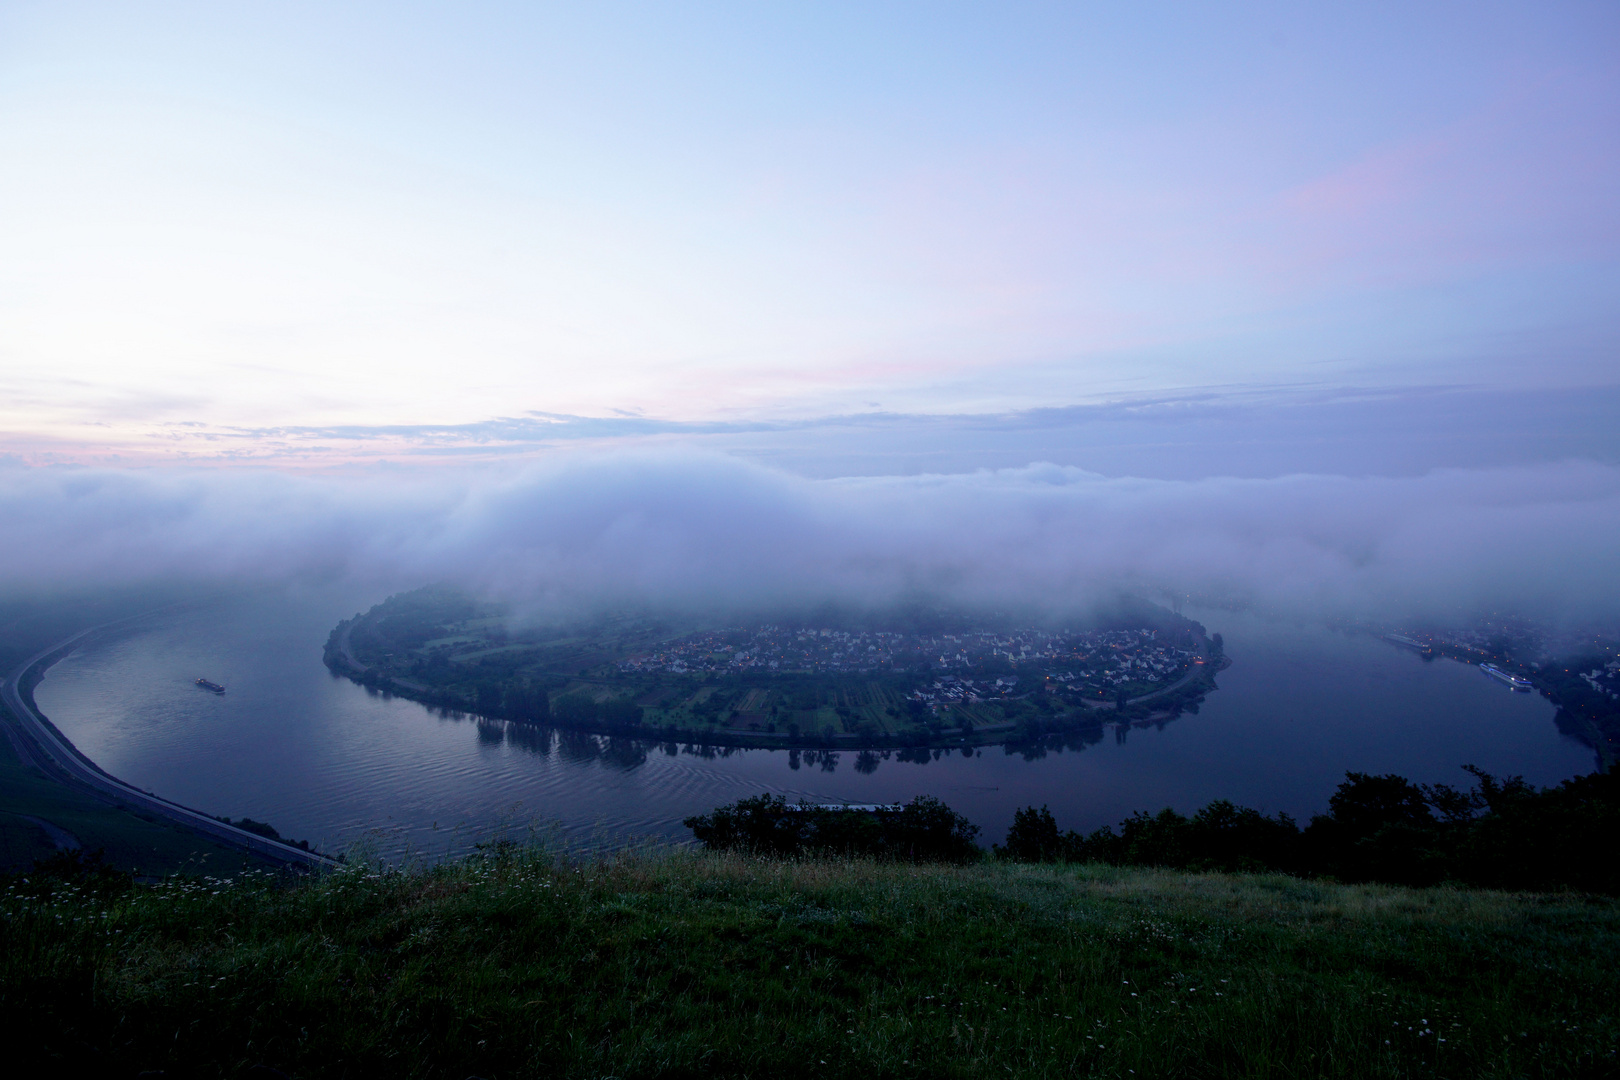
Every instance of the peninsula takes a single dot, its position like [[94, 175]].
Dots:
[[914, 679]]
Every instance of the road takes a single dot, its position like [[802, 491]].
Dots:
[[40, 744], [1194, 669], [346, 653]]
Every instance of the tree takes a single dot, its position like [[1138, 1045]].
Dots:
[[1377, 828], [487, 700], [1033, 837]]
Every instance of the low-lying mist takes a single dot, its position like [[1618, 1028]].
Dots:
[[707, 531]]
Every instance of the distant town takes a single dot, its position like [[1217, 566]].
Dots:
[[1098, 662]]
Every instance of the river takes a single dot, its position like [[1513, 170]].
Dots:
[[331, 762]]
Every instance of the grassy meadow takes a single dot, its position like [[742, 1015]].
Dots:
[[520, 963]]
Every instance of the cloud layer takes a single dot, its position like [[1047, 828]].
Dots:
[[707, 530]]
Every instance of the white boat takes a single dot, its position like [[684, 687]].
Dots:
[[1517, 682]]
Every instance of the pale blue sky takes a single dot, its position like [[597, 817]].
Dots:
[[223, 221]]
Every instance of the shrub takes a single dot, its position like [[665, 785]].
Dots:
[[924, 830]]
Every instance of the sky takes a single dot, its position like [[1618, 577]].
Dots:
[[236, 220], [456, 251]]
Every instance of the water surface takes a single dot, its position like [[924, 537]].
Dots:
[[325, 760]]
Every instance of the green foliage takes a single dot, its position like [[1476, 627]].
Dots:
[[518, 963], [924, 830], [581, 710], [1221, 836], [1033, 837]]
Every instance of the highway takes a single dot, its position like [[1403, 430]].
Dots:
[[39, 743]]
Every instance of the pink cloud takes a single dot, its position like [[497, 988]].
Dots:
[[1528, 177]]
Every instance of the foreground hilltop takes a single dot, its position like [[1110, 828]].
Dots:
[[518, 963]]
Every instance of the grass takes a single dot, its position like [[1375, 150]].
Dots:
[[520, 963]]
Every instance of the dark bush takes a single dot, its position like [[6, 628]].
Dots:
[[924, 830]]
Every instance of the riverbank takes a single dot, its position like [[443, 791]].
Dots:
[[519, 963]]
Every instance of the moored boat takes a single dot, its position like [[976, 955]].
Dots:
[[1408, 643], [1517, 682]]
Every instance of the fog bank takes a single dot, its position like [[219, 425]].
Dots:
[[707, 530]]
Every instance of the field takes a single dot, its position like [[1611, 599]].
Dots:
[[520, 963]]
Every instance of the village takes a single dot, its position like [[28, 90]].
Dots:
[[989, 664]]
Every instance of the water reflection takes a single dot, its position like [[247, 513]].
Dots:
[[622, 753], [627, 753], [527, 737], [615, 751]]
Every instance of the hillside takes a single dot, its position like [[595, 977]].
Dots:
[[517, 963]]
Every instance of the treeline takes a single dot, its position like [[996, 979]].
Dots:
[[1503, 834], [532, 703], [1500, 833], [582, 708], [528, 703], [923, 830]]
